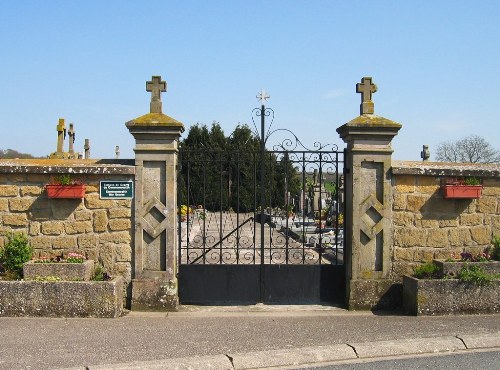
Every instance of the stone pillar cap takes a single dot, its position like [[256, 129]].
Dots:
[[154, 120]]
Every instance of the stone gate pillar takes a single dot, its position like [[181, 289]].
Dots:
[[154, 282], [368, 203]]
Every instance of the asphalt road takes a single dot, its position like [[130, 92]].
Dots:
[[471, 361]]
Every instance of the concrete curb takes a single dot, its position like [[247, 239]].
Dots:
[[315, 355]]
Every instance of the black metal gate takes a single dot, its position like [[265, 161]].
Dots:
[[261, 225]]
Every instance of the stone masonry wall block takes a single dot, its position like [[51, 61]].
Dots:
[[409, 237], [92, 201], [487, 205], [403, 254], [9, 191], [15, 219], [405, 184], [415, 202], [120, 213], [459, 237], [475, 219], [64, 242], [34, 228], [52, 228], [117, 237], [426, 224], [41, 242], [123, 253], [423, 254], [77, 227], [100, 221], [119, 224], [87, 241], [31, 190], [437, 238], [481, 235], [4, 204], [399, 202], [404, 219], [448, 223], [83, 215], [20, 204]]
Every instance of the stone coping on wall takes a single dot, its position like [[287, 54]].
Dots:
[[76, 166], [445, 169]]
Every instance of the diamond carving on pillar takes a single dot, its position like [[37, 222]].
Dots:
[[371, 223], [155, 210]]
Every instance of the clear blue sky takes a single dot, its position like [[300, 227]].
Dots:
[[436, 64]]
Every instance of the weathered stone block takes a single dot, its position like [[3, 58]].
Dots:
[[117, 237], [100, 221], [423, 181], [87, 241], [427, 223], [119, 224], [64, 242], [491, 190], [399, 202], [403, 219], [4, 204], [403, 254], [34, 228], [474, 219], [374, 294], [83, 215], [459, 237], [77, 227], [481, 235], [449, 296], [52, 228], [9, 191], [405, 184], [409, 237], [103, 299], [448, 223], [15, 219], [487, 205], [414, 203], [92, 201], [154, 295], [120, 213], [65, 271], [31, 190], [438, 238], [41, 242], [123, 253]]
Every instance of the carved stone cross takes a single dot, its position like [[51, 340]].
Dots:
[[366, 88], [61, 134], [156, 86], [71, 135]]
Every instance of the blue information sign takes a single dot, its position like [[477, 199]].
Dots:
[[116, 189]]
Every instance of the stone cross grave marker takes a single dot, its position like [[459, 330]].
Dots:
[[61, 135], [156, 86], [366, 88], [71, 136]]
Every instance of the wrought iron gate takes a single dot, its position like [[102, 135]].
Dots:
[[261, 225]]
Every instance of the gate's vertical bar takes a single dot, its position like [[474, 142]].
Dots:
[[304, 189], [287, 207], [220, 206], [237, 207], [179, 202], [262, 197], [254, 158], [204, 231]]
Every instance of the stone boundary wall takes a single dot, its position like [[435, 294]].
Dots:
[[100, 229], [427, 226]]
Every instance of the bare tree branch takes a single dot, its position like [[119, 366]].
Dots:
[[472, 149]]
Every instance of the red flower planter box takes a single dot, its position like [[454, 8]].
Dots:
[[462, 191], [65, 191]]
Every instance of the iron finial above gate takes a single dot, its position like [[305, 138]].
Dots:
[[262, 96]]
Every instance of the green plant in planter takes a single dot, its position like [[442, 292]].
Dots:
[[475, 275], [15, 254], [495, 251], [426, 271], [472, 181]]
